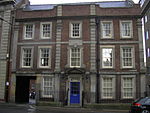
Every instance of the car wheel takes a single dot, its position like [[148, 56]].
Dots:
[[145, 111]]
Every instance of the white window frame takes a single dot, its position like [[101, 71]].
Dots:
[[39, 60], [133, 86], [113, 77], [111, 29], [24, 30], [80, 29], [41, 30], [131, 28], [133, 56], [22, 57], [71, 57], [113, 53], [52, 86]]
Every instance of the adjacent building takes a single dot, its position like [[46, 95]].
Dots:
[[75, 53], [6, 19], [145, 4]]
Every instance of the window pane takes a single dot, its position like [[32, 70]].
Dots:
[[127, 87], [107, 89], [107, 57], [44, 56], [148, 52], [26, 59], [147, 35], [75, 30], [126, 29], [107, 29], [75, 57], [47, 86], [46, 30], [146, 18], [127, 57], [29, 31]]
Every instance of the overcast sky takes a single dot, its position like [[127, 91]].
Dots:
[[67, 1]]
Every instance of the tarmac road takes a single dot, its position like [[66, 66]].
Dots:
[[26, 108]]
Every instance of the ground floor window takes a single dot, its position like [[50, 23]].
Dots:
[[128, 87], [108, 87], [48, 86]]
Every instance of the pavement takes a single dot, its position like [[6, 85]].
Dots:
[[83, 109]]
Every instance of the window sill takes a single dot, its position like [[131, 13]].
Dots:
[[108, 38], [26, 67], [126, 38], [44, 38], [44, 67]]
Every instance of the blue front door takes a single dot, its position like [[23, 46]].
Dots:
[[75, 92]]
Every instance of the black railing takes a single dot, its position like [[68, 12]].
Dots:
[[86, 97]]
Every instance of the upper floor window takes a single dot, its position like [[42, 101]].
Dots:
[[126, 29], [46, 30], [76, 30], [148, 52], [75, 57], [127, 57], [28, 31], [26, 57], [44, 59], [107, 29], [146, 18], [107, 57], [147, 35]]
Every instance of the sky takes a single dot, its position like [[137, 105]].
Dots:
[[68, 1]]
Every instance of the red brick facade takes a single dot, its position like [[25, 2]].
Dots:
[[61, 42]]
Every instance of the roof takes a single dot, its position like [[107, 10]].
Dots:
[[108, 4], [113, 4], [38, 7]]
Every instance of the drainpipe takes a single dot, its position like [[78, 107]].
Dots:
[[97, 59]]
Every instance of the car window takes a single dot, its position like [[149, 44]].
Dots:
[[141, 100], [147, 101]]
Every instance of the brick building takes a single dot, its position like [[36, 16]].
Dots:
[[145, 4], [91, 52]]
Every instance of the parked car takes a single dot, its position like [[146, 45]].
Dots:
[[141, 105]]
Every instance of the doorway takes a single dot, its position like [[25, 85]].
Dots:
[[74, 92], [23, 88]]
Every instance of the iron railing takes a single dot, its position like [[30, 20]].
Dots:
[[63, 96]]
